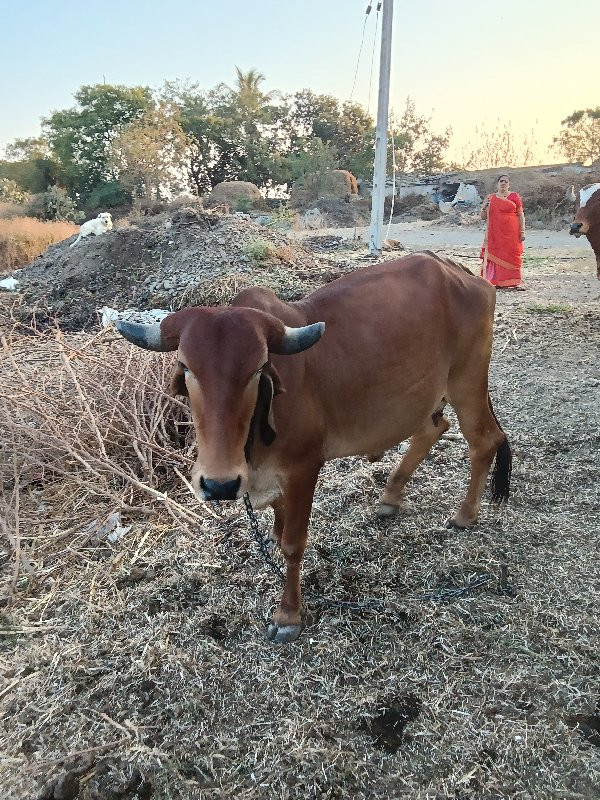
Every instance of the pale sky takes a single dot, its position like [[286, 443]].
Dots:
[[528, 62]]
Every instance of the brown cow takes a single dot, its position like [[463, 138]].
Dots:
[[277, 389], [587, 219]]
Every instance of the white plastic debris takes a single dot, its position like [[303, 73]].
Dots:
[[110, 315], [10, 284], [110, 530]]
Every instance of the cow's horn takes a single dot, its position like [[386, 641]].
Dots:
[[295, 340], [147, 336]]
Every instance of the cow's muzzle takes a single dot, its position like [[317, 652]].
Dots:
[[220, 490], [575, 229]]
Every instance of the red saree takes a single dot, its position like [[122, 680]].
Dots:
[[504, 245]]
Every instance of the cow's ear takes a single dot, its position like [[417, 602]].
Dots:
[[178, 385], [270, 371], [264, 409]]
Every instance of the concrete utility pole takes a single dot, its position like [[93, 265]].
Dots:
[[379, 171]]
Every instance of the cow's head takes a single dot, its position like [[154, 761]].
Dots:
[[587, 219], [224, 368], [587, 215]]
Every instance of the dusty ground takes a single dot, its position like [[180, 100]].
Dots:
[[140, 668]]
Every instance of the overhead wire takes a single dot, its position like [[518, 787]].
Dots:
[[373, 56], [367, 12]]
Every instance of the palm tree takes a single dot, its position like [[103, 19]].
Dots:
[[248, 91]]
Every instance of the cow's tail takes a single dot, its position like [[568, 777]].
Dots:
[[500, 482]]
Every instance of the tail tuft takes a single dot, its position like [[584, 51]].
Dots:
[[501, 473]]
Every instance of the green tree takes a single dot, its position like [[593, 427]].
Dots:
[[316, 160], [346, 128], [149, 155], [80, 137], [24, 149], [416, 147], [30, 164], [580, 138], [254, 105], [234, 133]]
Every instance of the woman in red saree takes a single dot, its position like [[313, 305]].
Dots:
[[503, 245]]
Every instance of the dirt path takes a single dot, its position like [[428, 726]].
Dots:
[[419, 234], [557, 268]]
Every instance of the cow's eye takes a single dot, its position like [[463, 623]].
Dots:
[[182, 366], [258, 371]]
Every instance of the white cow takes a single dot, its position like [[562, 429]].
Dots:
[[101, 224]]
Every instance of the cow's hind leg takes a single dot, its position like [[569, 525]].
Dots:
[[421, 443], [486, 439]]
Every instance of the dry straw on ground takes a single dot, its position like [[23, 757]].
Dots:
[[138, 667]]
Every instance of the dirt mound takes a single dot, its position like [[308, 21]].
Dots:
[[459, 217], [337, 183], [236, 196], [337, 212], [189, 256]]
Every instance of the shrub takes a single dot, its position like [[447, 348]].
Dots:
[[109, 195], [545, 199], [54, 204], [243, 204], [11, 192], [22, 239], [259, 252]]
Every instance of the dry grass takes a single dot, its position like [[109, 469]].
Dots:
[[139, 668], [22, 239], [10, 210]]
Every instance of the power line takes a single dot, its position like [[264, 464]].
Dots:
[[367, 12]]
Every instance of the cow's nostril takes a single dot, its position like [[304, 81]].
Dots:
[[220, 490]]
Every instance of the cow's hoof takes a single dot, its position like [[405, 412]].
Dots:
[[283, 633], [387, 510]]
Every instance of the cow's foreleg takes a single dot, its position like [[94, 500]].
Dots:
[[421, 443], [277, 529], [298, 496], [484, 437]]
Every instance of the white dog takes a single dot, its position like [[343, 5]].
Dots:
[[101, 224]]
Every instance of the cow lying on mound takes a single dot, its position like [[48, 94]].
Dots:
[[101, 224], [587, 219], [277, 389]]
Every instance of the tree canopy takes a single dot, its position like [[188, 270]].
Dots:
[[118, 141], [149, 155], [579, 139], [80, 137]]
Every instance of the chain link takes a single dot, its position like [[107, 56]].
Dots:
[[369, 605]]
